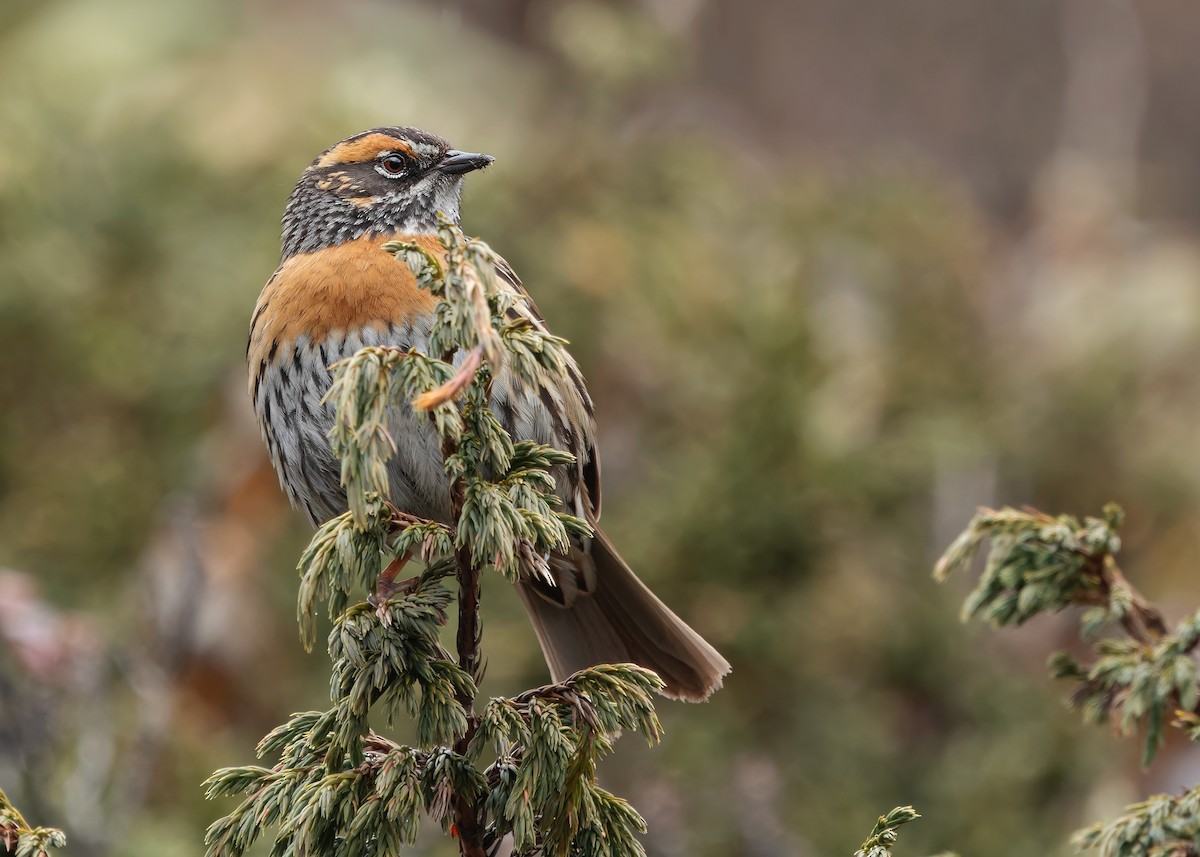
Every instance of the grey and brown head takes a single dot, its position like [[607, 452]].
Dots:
[[383, 181]]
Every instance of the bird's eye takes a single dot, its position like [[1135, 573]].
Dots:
[[392, 165]]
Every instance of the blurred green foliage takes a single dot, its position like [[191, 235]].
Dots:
[[807, 377]]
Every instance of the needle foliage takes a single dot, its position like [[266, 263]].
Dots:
[[521, 766], [884, 835], [19, 839], [1141, 673]]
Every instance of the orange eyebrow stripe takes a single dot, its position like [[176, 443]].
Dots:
[[364, 149], [348, 287]]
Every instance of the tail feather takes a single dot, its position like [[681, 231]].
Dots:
[[622, 621]]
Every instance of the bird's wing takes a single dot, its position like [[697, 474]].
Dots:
[[586, 453]]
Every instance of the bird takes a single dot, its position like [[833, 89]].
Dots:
[[337, 290]]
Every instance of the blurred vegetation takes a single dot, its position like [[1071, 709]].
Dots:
[[809, 370]]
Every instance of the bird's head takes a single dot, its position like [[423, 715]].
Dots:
[[384, 181]]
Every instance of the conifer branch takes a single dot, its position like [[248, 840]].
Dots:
[[884, 834], [1039, 564], [19, 839], [1162, 826], [339, 788], [1142, 670], [470, 630]]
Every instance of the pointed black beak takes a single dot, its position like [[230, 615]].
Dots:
[[456, 162]]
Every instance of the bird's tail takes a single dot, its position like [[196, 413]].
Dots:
[[622, 621]]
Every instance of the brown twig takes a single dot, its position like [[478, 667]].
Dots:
[[466, 814], [1143, 622], [467, 822]]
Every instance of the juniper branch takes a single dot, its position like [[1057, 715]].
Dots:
[[19, 839], [340, 788], [470, 630], [884, 834], [1141, 671], [1038, 564], [1162, 826]]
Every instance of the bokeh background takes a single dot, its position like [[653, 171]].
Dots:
[[837, 272]]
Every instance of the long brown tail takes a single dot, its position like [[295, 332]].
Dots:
[[623, 622]]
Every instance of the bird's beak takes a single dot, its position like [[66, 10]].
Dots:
[[456, 162]]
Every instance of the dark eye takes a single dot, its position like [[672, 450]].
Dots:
[[393, 165]]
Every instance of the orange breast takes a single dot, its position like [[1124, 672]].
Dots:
[[351, 286]]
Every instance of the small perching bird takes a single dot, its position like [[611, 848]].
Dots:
[[337, 290]]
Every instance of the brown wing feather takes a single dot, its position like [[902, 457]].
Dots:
[[590, 460]]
